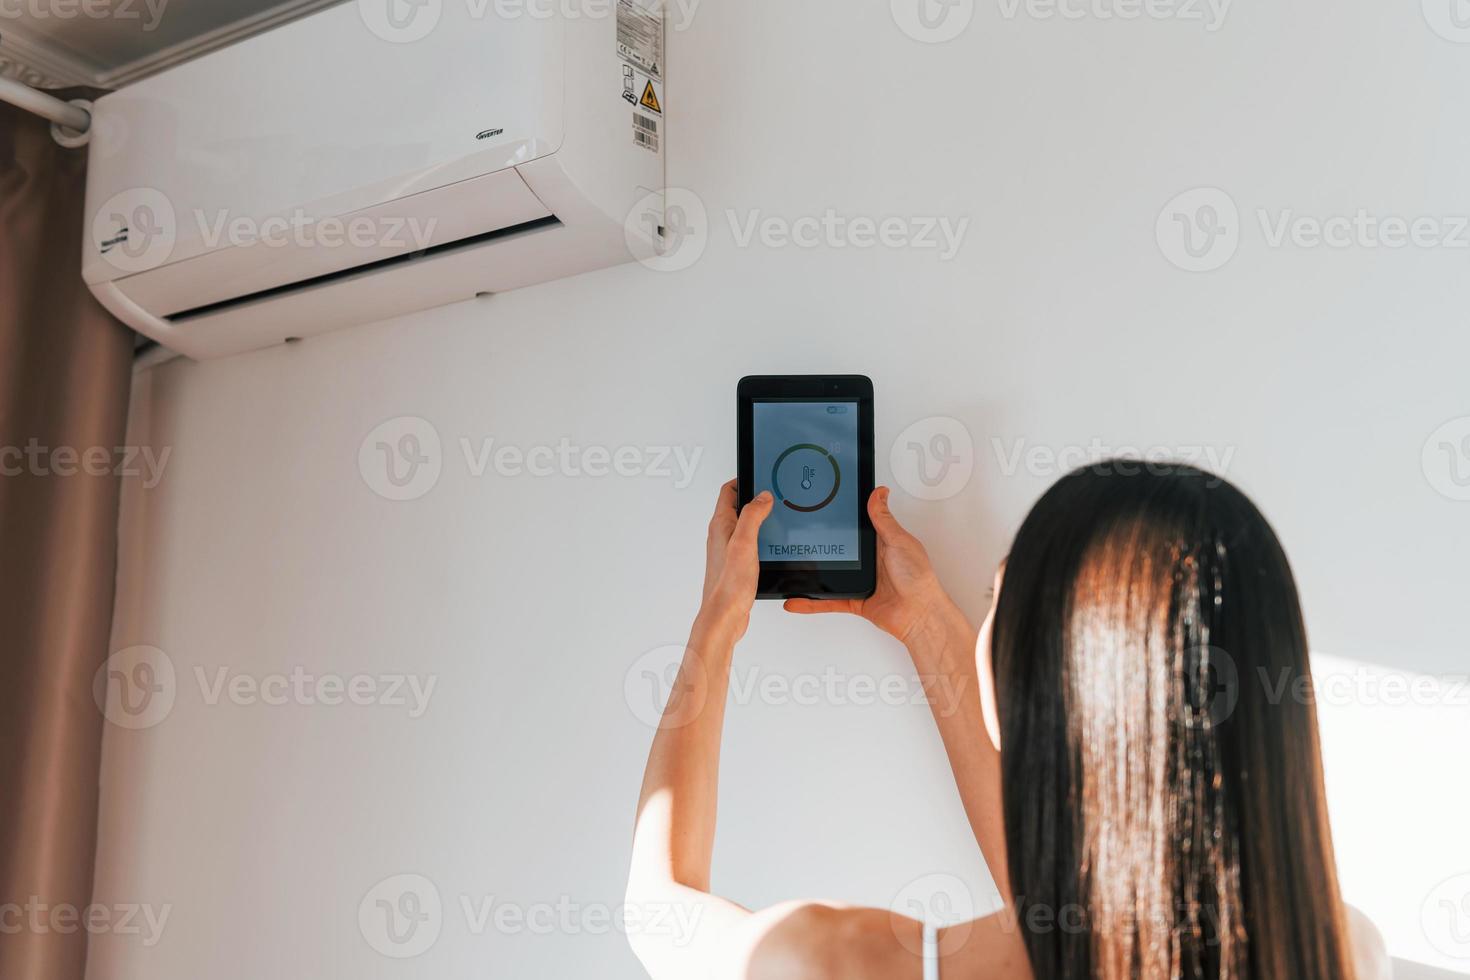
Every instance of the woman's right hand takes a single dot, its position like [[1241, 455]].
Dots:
[[909, 603]]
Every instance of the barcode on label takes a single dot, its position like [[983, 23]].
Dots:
[[645, 132]]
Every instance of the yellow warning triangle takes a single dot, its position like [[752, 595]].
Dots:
[[650, 100]]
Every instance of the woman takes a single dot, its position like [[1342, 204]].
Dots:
[[1167, 813]]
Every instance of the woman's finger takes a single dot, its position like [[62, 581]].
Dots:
[[887, 526], [726, 499], [809, 607], [751, 517]]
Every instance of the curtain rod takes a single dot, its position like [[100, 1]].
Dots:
[[61, 113]]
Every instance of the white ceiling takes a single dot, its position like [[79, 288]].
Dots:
[[53, 43]]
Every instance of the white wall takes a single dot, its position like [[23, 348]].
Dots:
[[1315, 374]]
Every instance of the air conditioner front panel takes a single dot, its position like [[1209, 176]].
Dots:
[[543, 251], [297, 254], [322, 117]]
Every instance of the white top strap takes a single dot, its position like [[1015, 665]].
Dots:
[[931, 951]]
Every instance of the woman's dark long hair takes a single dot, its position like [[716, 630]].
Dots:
[[1162, 778]]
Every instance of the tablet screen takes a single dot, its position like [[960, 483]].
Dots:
[[806, 454]]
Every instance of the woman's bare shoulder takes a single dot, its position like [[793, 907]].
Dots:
[[1370, 952], [818, 941]]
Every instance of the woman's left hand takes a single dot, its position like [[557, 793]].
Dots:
[[732, 562]]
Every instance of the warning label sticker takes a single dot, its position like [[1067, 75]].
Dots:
[[642, 91], [650, 99], [641, 35], [641, 49]]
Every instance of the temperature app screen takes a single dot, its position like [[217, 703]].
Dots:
[[806, 454]]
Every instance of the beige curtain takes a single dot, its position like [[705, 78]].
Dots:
[[65, 367]]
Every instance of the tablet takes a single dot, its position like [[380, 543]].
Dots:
[[809, 440]]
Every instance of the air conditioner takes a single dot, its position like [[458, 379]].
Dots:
[[375, 158]]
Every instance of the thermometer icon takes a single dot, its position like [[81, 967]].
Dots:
[[808, 477]]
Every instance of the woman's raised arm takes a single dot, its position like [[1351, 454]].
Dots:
[[677, 927], [911, 605]]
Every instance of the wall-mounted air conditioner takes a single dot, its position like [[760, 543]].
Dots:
[[372, 159]]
